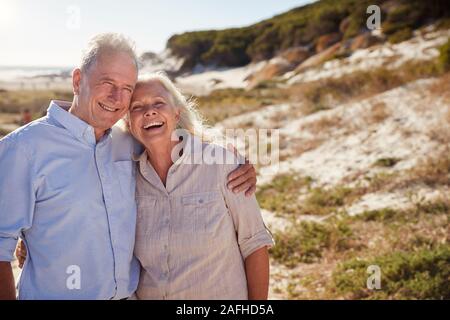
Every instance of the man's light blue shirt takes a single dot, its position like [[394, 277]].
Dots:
[[72, 201]]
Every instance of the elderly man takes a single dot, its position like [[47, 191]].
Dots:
[[68, 185]]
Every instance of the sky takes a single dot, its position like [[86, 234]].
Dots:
[[53, 32]]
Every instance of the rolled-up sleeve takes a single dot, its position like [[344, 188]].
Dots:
[[251, 231], [17, 195]]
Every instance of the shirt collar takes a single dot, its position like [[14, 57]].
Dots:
[[77, 127]]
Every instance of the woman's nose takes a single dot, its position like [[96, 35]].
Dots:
[[149, 111]]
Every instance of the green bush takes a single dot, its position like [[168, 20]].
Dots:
[[191, 45], [444, 57], [304, 242], [424, 274], [386, 162], [435, 207], [230, 47], [399, 217], [382, 215], [281, 195], [401, 35], [324, 201], [301, 26]]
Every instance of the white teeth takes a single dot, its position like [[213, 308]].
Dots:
[[107, 108], [153, 124]]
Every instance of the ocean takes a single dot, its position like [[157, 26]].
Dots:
[[15, 73]]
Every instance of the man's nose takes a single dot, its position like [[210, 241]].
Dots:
[[115, 95]]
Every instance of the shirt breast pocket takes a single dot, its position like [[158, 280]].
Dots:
[[202, 212]]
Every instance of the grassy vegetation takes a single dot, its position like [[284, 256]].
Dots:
[[304, 242], [36, 101], [323, 94], [411, 246], [444, 57], [281, 195], [223, 103], [302, 26], [406, 15], [433, 171], [3, 132], [424, 274], [329, 259], [414, 214], [400, 36], [322, 201], [315, 96]]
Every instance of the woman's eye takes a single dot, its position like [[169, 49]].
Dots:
[[136, 108], [159, 104]]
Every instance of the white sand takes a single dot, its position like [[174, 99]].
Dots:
[[203, 83], [419, 48]]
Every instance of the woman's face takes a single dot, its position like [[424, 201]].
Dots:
[[152, 116]]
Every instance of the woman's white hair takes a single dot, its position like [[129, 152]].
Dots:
[[190, 119], [107, 42]]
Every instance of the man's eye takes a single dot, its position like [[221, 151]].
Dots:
[[136, 108], [159, 104]]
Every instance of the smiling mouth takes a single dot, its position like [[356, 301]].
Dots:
[[105, 107], [153, 125]]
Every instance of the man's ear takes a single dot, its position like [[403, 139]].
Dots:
[[76, 81]]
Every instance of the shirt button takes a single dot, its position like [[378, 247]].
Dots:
[[200, 201]]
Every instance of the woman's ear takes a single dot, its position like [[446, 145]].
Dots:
[[76, 80]]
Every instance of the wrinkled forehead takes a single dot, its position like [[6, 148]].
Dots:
[[115, 63], [151, 89]]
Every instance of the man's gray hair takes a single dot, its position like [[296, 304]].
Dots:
[[107, 42]]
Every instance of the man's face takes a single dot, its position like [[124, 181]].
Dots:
[[104, 90]]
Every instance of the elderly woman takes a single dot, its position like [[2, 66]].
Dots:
[[195, 239]]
